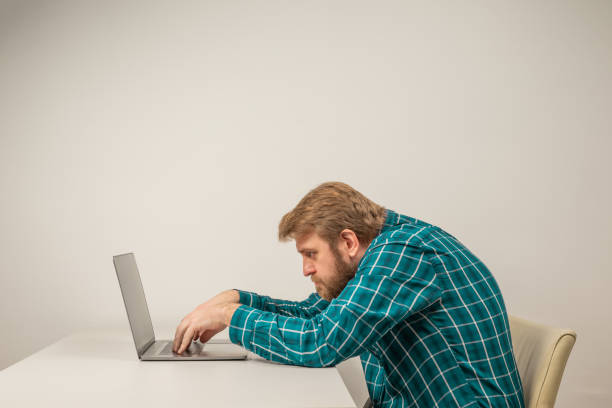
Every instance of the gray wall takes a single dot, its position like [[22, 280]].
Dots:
[[183, 131]]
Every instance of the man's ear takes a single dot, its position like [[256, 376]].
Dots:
[[350, 241]]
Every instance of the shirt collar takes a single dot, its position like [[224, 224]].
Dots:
[[391, 220]]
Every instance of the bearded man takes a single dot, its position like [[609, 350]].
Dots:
[[424, 314]]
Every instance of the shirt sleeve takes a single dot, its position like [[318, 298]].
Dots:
[[393, 281], [307, 308]]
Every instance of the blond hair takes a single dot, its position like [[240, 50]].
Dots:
[[330, 208]]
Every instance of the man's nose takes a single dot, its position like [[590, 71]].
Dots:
[[308, 268]]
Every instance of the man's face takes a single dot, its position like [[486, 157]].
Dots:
[[324, 265]]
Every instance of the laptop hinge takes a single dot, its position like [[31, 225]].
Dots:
[[146, 347]]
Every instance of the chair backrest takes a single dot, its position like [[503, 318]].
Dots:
[[541, 353], [354, 379]]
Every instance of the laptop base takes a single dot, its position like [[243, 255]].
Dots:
[[161, 350]]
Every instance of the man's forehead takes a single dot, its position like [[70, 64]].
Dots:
[[307, 241]]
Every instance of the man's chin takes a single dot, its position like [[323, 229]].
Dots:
[[323, 293]]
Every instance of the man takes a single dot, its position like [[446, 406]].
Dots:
[[423, 313]]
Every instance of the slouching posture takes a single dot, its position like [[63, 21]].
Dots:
[[424, 314]]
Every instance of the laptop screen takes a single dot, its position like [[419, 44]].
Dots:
[[135, 302]]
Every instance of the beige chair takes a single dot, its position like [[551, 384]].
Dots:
[[541, 353]]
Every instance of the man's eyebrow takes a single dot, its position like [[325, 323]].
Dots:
[[306, 250]]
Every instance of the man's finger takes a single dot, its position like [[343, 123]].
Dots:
[[178, 336], [187, 337], [206, 335]]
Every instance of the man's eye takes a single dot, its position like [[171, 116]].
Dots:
[[309, 254]]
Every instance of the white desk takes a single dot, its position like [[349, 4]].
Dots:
[[101, 369]]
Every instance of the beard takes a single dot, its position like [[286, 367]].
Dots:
[[344, 273]]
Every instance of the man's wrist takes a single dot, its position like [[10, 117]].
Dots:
[[228, 312], [231, 296]]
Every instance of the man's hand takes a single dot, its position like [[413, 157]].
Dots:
[[227, 296], [206, 320]]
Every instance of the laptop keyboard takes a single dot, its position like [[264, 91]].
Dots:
[[194, 348]]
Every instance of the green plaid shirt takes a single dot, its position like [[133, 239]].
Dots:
[[423, 313]]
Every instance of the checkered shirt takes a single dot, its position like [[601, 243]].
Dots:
[[424, 314]]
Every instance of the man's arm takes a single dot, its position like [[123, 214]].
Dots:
[[394, 281], [215, 314], [307, 308]]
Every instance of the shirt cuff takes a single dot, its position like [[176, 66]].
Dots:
[[249, 298], [242, 325]]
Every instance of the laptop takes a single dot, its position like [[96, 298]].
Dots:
[[147, 347]]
